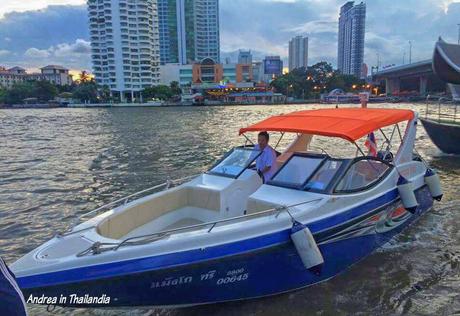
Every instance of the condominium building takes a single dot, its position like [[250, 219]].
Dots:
[[245, 57], [189, 30], [298, 52], [57, 75], [352, 27], [125, 44]]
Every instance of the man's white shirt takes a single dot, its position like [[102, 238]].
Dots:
[[266, 159]]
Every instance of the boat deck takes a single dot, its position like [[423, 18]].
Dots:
[[182, 217]]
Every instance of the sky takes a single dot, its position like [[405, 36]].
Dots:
[[34, 33]]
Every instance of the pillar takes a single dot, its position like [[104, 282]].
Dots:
[[392, 85], [423, 84], [122, 97], [132, 96]]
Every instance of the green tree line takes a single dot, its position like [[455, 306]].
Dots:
[[83, 90], [310, 82]]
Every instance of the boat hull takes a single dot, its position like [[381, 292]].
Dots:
[[445, 136], [446, 62], [272, 266]]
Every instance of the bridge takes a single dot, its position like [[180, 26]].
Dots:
[[419, 73]]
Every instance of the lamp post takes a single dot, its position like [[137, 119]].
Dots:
[[378, 61], [458, 33], [410, 52]]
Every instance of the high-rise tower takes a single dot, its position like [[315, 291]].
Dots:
[[125, 44], [189, 30], [352, 27], [298, 52]]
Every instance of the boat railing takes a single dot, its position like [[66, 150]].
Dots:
[[445, 111], [122, 201], [99, 247]]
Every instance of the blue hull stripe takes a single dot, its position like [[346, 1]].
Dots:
[[126, 267]]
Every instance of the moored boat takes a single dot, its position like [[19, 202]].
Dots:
[[441, 123], [444, 132], [446, 61], [225, 235]]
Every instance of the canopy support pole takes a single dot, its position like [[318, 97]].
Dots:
[[247, 139], [282, 134], [385, 136], [388, 141], [399, 132], [360, 150]]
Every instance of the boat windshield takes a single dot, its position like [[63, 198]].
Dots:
[[307, 172], [235, 162]]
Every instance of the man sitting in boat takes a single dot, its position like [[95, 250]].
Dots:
[[266, 162]]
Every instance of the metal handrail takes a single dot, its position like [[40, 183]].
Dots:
[[444, 111], [123, 200], [97, 247]]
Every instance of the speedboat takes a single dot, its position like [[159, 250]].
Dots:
[[225, 235]]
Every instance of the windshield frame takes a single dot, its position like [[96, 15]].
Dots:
[[227, 154], [351, 162], [324, 158]]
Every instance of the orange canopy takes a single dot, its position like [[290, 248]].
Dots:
[[347, 123]]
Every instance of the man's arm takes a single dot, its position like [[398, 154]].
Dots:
[[271, 160], [266, 168]]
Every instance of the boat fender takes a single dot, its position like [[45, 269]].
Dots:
[[306, 247], [406, 192], [434, 184]]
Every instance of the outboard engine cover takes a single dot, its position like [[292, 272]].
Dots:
[[406, 192], [306, 247], [434, 184]]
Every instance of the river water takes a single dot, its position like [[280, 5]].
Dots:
[[58, 163]]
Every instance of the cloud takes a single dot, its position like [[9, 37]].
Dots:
[[390, 25], [317, 26], [35, 53], [4, 52], [45, 36], [80, 48], [21, 6], [59, 33]]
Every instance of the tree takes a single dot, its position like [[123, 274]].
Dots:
[[161, 92], [44, 90], [312, 81], [83, 77], [175, 88], [86, 92], [104, 93], [19, 91], [3, 94]]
